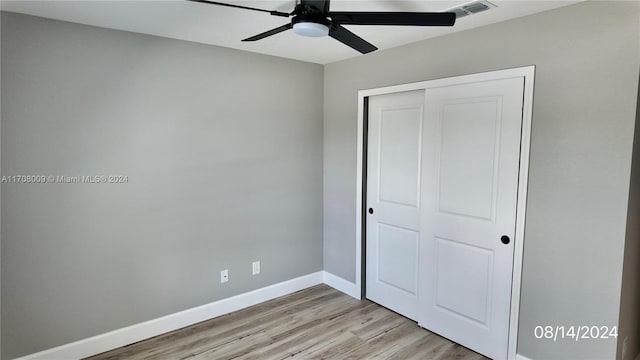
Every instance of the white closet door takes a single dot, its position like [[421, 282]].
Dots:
[[469, 193], [393, 198]]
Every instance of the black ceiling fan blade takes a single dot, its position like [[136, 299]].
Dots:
[[350, 39], [276, 13], [394, 18], [269, 33]]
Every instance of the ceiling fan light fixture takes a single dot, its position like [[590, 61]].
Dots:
[[310, 29]]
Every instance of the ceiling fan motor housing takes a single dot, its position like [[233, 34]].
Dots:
[[320, 6]]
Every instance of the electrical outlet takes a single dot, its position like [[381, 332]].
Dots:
[[624, 348], [224, 276], [256, 267]]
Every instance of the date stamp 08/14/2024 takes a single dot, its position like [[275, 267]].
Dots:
[[575, 332]]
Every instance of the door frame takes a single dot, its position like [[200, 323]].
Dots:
[[528, 72]]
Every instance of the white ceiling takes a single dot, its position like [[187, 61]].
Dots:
[[217, 25]]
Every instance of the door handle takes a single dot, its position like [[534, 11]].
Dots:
[[505, 239], [370, 210]]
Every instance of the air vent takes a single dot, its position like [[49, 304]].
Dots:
[[471, 8]]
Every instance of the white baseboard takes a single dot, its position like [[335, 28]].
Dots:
[[520, 357], [341, 284], [134, 333]]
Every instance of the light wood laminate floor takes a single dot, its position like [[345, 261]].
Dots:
[[315, 323]]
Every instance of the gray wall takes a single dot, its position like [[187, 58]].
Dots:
[[0, 191], [223, 150], [587, 58], [629, 319]]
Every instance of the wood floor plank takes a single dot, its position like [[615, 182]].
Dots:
[[322, 334], [315, 323], [305, 329]]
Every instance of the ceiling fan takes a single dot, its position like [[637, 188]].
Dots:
[[313, 18]]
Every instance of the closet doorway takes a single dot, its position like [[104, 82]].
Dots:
[[444, 201]]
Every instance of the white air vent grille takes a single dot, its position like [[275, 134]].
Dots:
[[471, 8]]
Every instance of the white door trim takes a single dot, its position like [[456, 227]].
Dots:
[[528, 72]]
